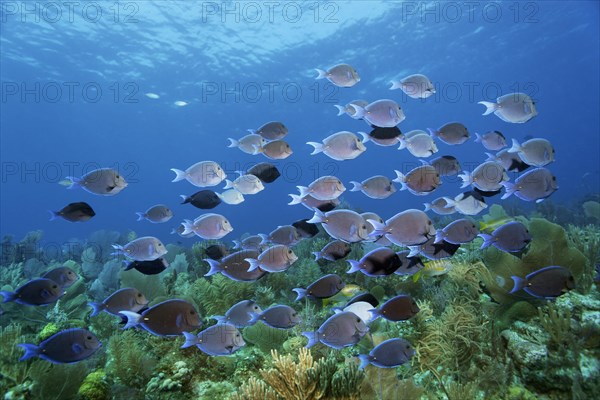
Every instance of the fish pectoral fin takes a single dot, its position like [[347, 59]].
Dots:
[[110, 188]]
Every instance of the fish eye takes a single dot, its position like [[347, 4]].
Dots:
[[339, 182], [89, 338], [237, 335], [192, 312], [428, 222], [54, 286], [364, 227], [294, 314], [139, 295], [357, 319], [118, 176], [289, 251]]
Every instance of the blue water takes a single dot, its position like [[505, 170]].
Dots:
[[223, 63]]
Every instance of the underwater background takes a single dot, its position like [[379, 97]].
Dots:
[[146, 86]]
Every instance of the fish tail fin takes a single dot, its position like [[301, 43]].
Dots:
[[185, 199], [8, 296], [365, 360], [395, 84], [228, 184], [341, 110], [118, 248], [439, 236], [31, 350], [318, 147], [317, 254], [190, 340], [254, 319], [221, 319], [128, 265], [519, 284], [477, 138], [489, 107], [53, 215], [417, 276], [401, 179], [295, 199], [313, 338], [354, 266], [317, 217], [403, 144], [359, 111], [510, 188], [233, 143], [449, 202], [97, 308], [215, 267], [254, 264], [357, 186], [365, 137], [322, 73], [375, 313], [133, 319], [179, 175], [252, 131], [300, 293], [467, 179], [516, 147], [141, 216], [491, 157], [487, 240], [237, 245], [414, 250], [304, 191], [378, 228], [433, 132], [73, 182], [427, 206], [264, 239]]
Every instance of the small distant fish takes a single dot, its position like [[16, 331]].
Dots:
[[180, 103], [492, 140], [346, 225], [74, 212], [341, 75], [169, 318], [383, 113], [467, 203], [285, 234], [338, 331], [279, 316], [333, 251], [153, 96], [407, 228], [382, 261], [156, 214], [340, 146], [511, 237], [516, 108], [236, 267], [218, 340], [240, 314], [216, 251], [416, 86], [103, 181], [65, 347], [488, 176], [201, 174], [535, 185], [440, 207], [311, 203], [324, 188], [446, 165], [127, 299], [265, 171], [249, 144], [324, 287], [458, 232], [146, 248], [385, 136], [376, 187], [275, 259], [208, 226], [350, 111], [388, 354], [547, 283], [204, 199], [418, 143], [276, 150], [591, 209], [510, 161], [245, 184], [37, 292], [231, 197], [153, 267], [305, 228], [420, 180], [64, 276], [452, 133], [273, 130], [536, 152]]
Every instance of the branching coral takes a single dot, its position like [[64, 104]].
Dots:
[[129, 362], [255, 389], [292, 380], [557, 323]]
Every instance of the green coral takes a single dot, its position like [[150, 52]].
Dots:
[[47, 331], [95, 387], [129, 363]]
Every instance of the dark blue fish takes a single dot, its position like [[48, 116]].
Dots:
[[37, 292], [64, 276], [69, 346], [218, 340], [265, 171], [389, 354], [338, 331], [74, 212], [457, 232], [204, 199], [153, 267], [399, 308], [280, 317], [169, 318], [323, 288], [547, 283], [511, 237], [126, 299], [379, 262], [235, 266]]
